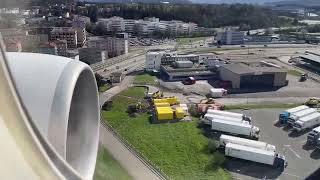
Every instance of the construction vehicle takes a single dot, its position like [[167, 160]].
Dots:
[[189, 81], [303, 77], [296, 116], [243, 128], [307, 122], [225, 139], [313, 102], [284, 116], [229, 114], [255, 155], [155, 95]]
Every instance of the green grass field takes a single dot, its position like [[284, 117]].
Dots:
[[104, 88], [145, 79], [294, 72], [185, 41], [179, 149], [107, 168]]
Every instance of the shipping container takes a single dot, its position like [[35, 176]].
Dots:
[[165, 104], [179, 112], [164, 113], [229, 114]]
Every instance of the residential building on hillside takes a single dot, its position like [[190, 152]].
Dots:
[[153, 61], [65, 33], [114, 46], [80, 27], [61, 47]]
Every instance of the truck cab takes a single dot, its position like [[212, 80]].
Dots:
[[313, 136], [255, 131], [284, 117], [280, 162], [298, 126]]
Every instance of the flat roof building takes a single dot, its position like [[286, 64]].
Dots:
[[65, 33], [243, 76]]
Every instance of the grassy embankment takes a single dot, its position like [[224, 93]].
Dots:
[[179, 149], [107, 168]]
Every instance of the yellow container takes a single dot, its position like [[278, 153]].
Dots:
[[164, 113], [160, 101], [173, 100], [165, 104], [179, 113]]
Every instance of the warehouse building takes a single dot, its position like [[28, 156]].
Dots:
[[177, 74], [243, 76]]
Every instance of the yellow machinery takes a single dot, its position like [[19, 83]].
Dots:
[[164, 104], [164, 113], [179, 112], [173, 100], [155, 101]]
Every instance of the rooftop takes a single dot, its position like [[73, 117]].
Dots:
[[244, 69], [311, 57]]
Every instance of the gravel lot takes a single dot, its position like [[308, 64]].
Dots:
[[302, 160]]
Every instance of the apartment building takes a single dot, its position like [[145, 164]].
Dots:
[[230, 37], [61, 47], [114, 46], [65, 33], [92, 55], [113, 24], [80, 27]]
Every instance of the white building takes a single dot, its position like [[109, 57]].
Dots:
[[114, 46], [153, 61], [230, 37], [92, 55], [129, 25], [113, 24], [80, 27]]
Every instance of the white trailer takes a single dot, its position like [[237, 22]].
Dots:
[[209, 117], [255, 155], [239, 128], [307, 122], [225, 139], [300, 114], [218, 92], [229, 114]]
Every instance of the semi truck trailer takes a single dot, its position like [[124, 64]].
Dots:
[[229, 114], [296, 116], [307, 122], [225, 139], [314, 137], [243, 128], [284, 116], [207, 118], [255, 155]]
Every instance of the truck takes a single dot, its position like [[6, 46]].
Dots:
[[284, 116], [229, 114], [218, 92], [255, 155], [314, 136], [209, 117], [296, 116], [225, 139], [243, 128], [307, 122]]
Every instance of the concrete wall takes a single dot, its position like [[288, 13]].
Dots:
[[280, 79], [227, 75]]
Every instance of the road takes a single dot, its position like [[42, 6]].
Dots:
[[127, 159]]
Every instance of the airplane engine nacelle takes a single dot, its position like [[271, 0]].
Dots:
[[61, 97]]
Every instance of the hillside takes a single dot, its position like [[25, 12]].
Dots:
[[140, 1]]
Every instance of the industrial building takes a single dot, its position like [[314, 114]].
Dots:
[[177, 74], [243, 76], [114, 46], [311, 59], [153, 61], [230, 37], [171, 58]]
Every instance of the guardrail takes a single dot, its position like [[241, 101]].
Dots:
[[155, 169]]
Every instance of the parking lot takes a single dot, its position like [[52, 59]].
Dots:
[[302, 160]]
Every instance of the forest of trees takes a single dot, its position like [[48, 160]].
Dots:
[[204, 15]]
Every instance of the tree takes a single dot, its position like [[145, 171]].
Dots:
[[93, 13], [99, 79]]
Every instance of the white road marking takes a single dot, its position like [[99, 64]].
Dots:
[[292, 175], [295, 153]]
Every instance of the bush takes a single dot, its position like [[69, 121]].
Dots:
[[219, 159], [193, 110], [212, 145]]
